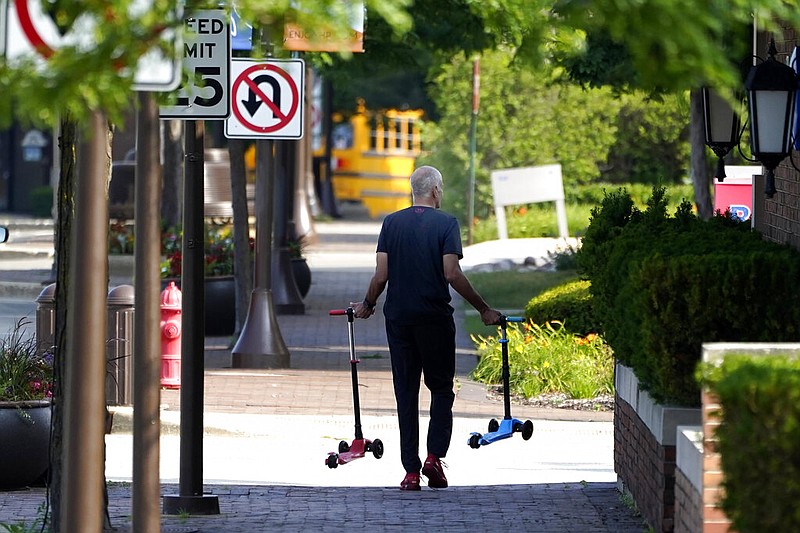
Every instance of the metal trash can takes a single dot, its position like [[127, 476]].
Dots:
[[119, 346], [46, 318]]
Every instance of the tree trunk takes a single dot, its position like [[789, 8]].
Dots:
[[242, 259], [699, 165], [66, 213], [67, 143]]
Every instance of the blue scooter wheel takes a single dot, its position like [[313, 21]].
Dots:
[[494, 425], [475, 441]]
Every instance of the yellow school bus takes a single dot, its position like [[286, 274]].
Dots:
[[372, 156]]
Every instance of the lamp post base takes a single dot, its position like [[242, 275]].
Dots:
[[205, 504]]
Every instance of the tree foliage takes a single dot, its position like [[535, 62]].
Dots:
[[532, 117], [78, 78]]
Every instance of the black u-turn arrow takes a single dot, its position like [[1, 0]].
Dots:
[[253, 102]]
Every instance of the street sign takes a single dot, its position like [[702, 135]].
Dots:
[[206, 61], [266, 99], [241, 32], [322, 39], [31, 33]]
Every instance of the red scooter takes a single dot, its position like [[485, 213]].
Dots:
[[360, 446]]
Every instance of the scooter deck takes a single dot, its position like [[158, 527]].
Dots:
[[505, 431], [358, 449]]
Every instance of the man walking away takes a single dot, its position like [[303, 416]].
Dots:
[[418, 254]]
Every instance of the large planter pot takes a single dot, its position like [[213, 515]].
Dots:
[[24, 442], [220, 304], [302, 275]]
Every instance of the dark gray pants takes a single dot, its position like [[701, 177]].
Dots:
[[427, 350]]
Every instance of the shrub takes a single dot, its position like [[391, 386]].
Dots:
[[569, 303], [662, 286], [757, 440], [547, 358]]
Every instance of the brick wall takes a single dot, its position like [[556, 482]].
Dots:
[[714, 520], [646, 467], [688, 505]]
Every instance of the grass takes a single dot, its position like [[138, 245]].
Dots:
[[546, 358], [509, 292]]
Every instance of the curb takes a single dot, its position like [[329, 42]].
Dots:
[[20, 290]]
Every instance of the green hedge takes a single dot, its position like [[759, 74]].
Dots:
[[662, 285], [758, 440], [569, 303]]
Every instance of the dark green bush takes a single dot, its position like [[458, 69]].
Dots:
[[593, 193], [757, 440], [687, 300], [663, 285], [569, 303]]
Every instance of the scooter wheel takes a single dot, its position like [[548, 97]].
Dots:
[[494, 425], [475, 442], [343, 446], [377, 448], [527, 430], [333, 460]]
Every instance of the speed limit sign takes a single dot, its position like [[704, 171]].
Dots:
[[206, 62]]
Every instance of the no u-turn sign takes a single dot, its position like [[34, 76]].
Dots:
[[266, 99]]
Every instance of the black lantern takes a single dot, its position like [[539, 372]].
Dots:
[[721, 127], [771, 88]]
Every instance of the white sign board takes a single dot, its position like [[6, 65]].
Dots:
[[266, 99], [30, 33], [515, 186], [206, 62]]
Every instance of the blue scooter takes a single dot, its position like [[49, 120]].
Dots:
[[508, 426]]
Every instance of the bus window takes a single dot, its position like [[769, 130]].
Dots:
[[342, 136]]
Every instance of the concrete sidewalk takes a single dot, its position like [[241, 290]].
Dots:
[[268, 433]]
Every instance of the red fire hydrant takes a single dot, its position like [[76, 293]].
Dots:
[[171, 337]]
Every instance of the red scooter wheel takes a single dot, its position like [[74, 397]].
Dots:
[[377, 448], [332, 461]]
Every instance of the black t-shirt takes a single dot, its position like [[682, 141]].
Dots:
[[416, 239]]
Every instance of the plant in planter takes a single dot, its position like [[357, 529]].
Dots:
[[26, 380], [220, 306], [300, 268]]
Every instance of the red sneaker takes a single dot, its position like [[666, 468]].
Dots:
[[434, 471], [410, 482]]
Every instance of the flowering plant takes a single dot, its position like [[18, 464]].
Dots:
[[26, 372], [218, 252]]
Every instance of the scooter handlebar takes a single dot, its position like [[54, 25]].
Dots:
[[515, 319], [338, 312]]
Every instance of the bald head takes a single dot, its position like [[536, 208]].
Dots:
[[423, 181]]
